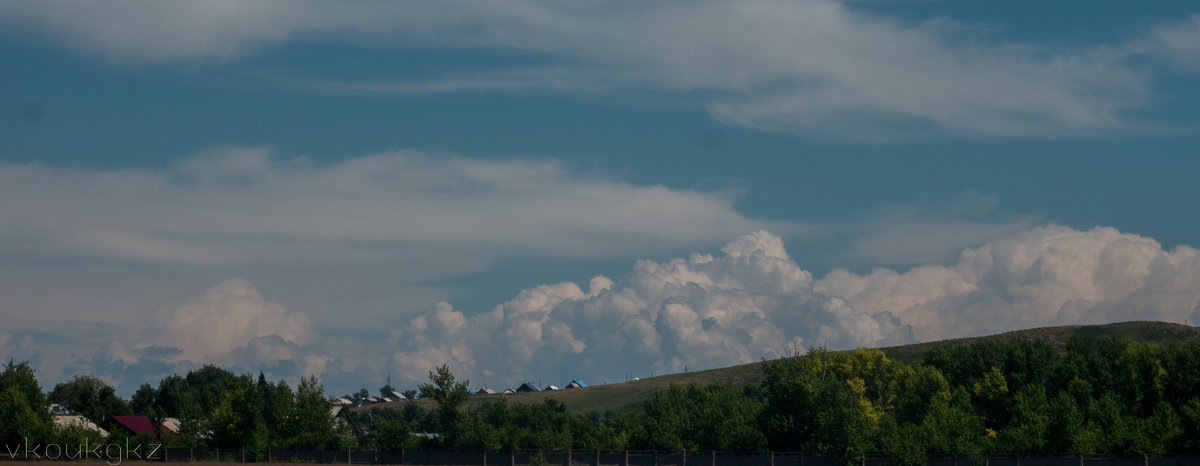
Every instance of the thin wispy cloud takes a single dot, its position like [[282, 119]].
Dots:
[[816, 67], [907, 234]]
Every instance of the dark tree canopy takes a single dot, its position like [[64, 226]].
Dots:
[[89, 397]]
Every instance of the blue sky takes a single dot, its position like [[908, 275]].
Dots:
[[357, 191]]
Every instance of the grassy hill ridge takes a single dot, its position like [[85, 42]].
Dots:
[[630, 395]]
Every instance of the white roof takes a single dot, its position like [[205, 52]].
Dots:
[[68, 420], [171, 424]]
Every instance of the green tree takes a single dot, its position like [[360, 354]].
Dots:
[[390, 434], [143, 401], [24, 413], [209, 385], [1182, 363], [810, 408], [311, 425], [716, 416], [1028, 428], [176, 398], [1066, 423], [1107, 430], [277, 407], [918, 388], [992, 398], [904, 442], [1190, 424], [89, 397], [872, 377], [1141, 377], [951, 426], [24, 379], [1157, 434], [237, 421], [450, 397], [19, 422]]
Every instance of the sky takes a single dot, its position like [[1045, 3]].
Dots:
[[542, 191]]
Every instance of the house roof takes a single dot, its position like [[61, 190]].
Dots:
[[529, 387], [576, 384], [342, 414], [171, 424], [397, 395], [485, 391], [72, 420], [135, 424]]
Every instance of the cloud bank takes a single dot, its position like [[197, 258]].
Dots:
[[230, 315], [447, 213], [231, 325], [817, 67], [753, 301]]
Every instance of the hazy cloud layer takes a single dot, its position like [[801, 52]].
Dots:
[[748, 302], [913, 234], [231, 325], [753, 301], [445, 213], [817, 67], [230, 315]]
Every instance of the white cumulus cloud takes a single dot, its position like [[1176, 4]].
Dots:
[[230, 315], [702, 311], [754, 301]]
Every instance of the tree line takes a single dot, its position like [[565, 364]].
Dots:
[[216, 408], [1093, 395]]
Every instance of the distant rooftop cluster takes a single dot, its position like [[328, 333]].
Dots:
[[395, 396]]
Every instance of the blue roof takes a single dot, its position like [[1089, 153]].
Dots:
[[579, 382], [530, 385]]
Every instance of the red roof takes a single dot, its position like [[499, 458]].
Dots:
[[135, 424]]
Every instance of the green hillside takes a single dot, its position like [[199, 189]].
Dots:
[[631, 395], [1144, 331]]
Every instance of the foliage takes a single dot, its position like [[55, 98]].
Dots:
[[811, 408], [1092, 393], [716, 416], [18, 420], [244, 412], [310, 424], [89, 397], [24, 413], [450, 396], [74, 435]]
